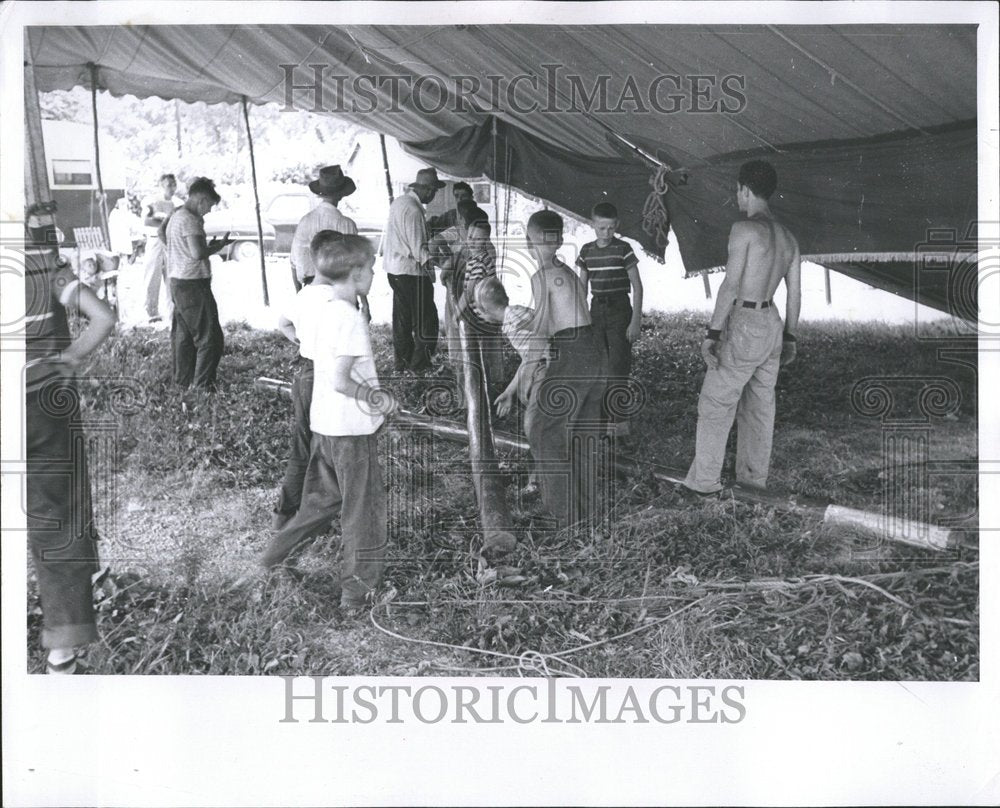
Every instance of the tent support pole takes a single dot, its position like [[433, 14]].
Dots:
[[36, 175], [826, 278], [102, 199], [708, 285], [917, 534], [385, 167], [256, 202]]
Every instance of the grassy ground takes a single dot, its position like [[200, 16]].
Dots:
[[715, 589]]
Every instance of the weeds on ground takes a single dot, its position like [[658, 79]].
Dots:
[[665, 589]]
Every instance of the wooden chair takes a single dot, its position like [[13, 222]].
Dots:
[[91, 239]]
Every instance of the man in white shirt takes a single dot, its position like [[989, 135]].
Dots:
[[331, 186], [411, 275], [157, 210]]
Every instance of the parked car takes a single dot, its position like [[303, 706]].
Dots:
[[241, 224], [280, 214]]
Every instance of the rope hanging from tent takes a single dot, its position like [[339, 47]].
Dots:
[[102, 200], [256, 202], [506, 200], [496, 206], [655, 216]]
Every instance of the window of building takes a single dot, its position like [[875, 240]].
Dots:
[[71, 172]]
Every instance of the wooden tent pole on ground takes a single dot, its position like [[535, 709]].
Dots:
[[102, 200], [256, 202], [917, 534]]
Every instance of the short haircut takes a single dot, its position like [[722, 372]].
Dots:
[[604, 210], [472, 214], [477, 217], [461, 186], [481, 224], [170, 177], [760, 177], [490, 292], [465, 208], [203, 186], [548, 222], [336, 255]]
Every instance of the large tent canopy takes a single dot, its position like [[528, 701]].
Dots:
[[872, 128]]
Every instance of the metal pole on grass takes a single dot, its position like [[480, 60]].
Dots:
[[256, 203]]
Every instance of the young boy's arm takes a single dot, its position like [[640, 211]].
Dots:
[[287, 327], [367, 396], [581, 266], [635, 327], [101, 319]]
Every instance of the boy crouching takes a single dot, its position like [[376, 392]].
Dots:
[[346, 412]]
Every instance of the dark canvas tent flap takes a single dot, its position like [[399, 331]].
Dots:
[[571, 181], [844, 201], [889, 111]]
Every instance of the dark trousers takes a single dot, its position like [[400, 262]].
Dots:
[[414, 321], [61, 530], [195, 333], [610, 317], [344, 476], [290, 497], [565, 425]]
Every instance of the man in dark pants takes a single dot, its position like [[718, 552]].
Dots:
[[196, 335], [411, 275]]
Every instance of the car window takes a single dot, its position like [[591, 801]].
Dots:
[[289, 206]]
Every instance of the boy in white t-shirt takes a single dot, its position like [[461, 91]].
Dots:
[[304, 327], [347, 409]]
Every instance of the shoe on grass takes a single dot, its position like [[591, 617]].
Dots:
[[67, 667]]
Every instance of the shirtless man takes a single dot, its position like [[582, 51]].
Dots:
[[745, 346], [563, 417]]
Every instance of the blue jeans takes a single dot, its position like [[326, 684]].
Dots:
[[610, 316], [61, 530], [290, 497]]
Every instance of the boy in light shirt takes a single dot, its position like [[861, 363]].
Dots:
[[347, 410]]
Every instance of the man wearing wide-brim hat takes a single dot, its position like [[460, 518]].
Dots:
[[411, 275], [330, 186]]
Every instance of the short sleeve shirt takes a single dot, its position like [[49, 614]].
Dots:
[[307, 313], [325, 216], [182, 264], [608, 266], [344, 332]]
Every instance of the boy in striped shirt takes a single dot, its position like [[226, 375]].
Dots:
[[608, 266]]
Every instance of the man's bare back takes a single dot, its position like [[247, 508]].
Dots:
[[560, 299], [771, 251]]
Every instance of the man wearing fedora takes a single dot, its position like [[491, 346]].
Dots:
[[331, 186], [407, 263]]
